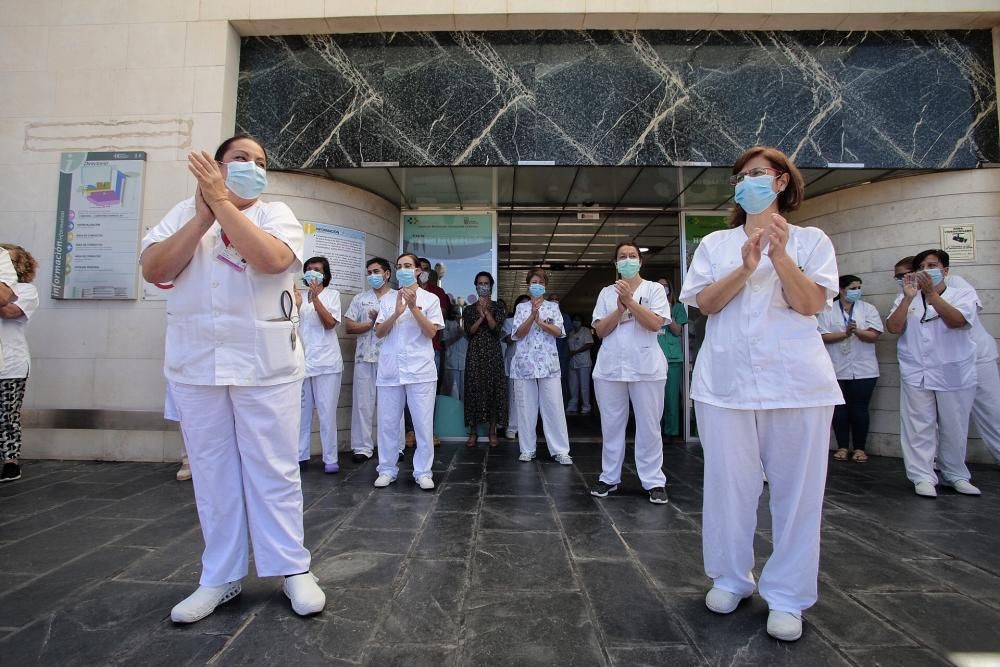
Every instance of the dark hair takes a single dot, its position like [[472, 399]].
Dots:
[[479, 275], [424, 260], [537, 271], [224, 146], [789, 199], [906, 261], [941, 255], [416, 260], [521, 299], [319, 259], [624, 244], [24, 263], [848, 279], [384, 263]]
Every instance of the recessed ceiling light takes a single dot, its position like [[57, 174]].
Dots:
[[643, 249]]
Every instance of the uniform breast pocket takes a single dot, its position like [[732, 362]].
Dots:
[[273, 348]]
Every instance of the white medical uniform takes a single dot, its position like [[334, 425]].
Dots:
[[631, 366], [324, 372], [363, 393], [508, 355], [852, 359], [580, 365], [538, 381], [986, 406], [937, 367], [237, 381], [764, 391], [407, 377], [8, 276]]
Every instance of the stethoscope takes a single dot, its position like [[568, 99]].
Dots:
[[289, 314]]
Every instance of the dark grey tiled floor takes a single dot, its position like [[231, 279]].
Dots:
[[505, 563]]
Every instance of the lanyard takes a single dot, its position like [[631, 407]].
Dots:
[[847, 318]]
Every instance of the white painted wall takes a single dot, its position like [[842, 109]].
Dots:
[[875, 225]]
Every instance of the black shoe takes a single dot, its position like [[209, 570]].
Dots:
[[11, 471], [303, 464], [658, 496], [360, 458], [601, 490]]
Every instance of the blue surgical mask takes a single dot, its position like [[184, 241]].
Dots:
[[376, 280], [754, 193], [936, 275], [312, 277], [536, 290], [853, 295], [629, 268], [406, 277], [245, 179]]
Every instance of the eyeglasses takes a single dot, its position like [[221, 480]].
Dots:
[[753, 173], [900, 276]]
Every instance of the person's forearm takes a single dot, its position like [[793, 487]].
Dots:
[[353, 327], [10, 311], [262, 251], [163, 261], [646, 318], [834, 337], [868, 335], [427, 327], [326, 318], [896, 323], [524, 327], [675, 328], [716, 296], [606, 325], [949, 313], [382, 330], [475, 326], [800, 291]]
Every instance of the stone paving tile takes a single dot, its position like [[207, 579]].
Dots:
[[503, 563]]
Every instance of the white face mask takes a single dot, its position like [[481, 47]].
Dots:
[[424, 277]]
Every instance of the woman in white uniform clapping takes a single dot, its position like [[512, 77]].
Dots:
[[850, 330], [764, 390], [235, 368], [408, 320], [630, 367], [319, 315], [536, 374]]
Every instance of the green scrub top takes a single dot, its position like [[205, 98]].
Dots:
[[669, 343]]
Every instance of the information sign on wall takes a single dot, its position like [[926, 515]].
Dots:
[[97, 225], [959, 241]]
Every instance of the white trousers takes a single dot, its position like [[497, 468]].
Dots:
[[242, 444], [511, 405], [986, 406], [419, 397], [935, 422], [323, 393], [579, 389], [543, 395], [363, 396], [647, 403], [792, 446]]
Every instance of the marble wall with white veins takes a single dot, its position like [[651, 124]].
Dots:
[[917, 99]]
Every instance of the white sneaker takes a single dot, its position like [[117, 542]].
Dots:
[[203, 602], [184, 473], [383, 481], [925, 489], [510, 435], [426, 483], [563, 459], [721, 601], [963, 486], [784, 626], [527, 457], [306, 595]]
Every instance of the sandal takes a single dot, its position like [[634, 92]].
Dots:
[[859, 456], [493, 440], [840, 454], [473, 438]]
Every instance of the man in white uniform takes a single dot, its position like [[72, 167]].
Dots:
[[937, 365], [407, 320], [360, 321]]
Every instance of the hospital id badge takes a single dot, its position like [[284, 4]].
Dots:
[[231, 256]]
